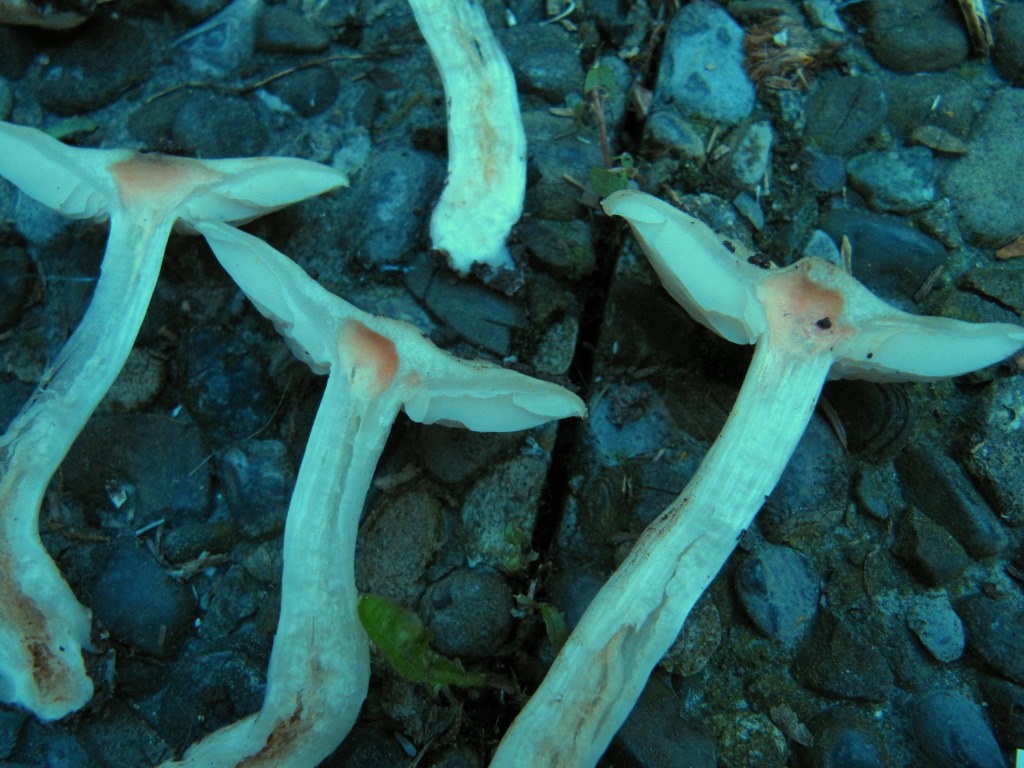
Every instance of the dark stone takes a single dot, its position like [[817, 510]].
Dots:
[[214, 125], [454, 455], [889, 256], [813, 490], [656, 734], [994, 628], [571, 592], [916, 35], [390, 198], [17, 276], [877, 418], [564, 247], [226, 385], [1005, 702], [478, 314], [105, 60], [984, 184], [938, 486], [16, 52], [310, 91], [186, 540], [1008, 34], [553, 153], [214, 689], [836, 661], [282, 30], [139, 603], [123, 737], [159, 463], [929, 550], [468, 613], [11, 722], [544, 60], [951, 731], [779, 592], [258, 479], [845, 737], [843, 113], [368, 746], [993, 448]]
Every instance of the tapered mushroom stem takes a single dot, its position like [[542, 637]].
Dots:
[[31, 451], [638, 613], [320, 665]]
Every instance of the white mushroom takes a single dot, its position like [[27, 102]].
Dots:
[[42, 626], [483, 196], [319, 667], [809, 321]]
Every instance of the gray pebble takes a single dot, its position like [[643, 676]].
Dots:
[[500, 512], [951, 731], [702, 70], [984, 184], [938, 486], [1008, 33], [469, 613], [779, 592], [900, 181], [916, 35], [843, 113], [994, 628], [937, 626], [257, 478], [139, 604]]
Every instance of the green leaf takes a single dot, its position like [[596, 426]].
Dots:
[[399, 634], [554, 620], [604, 182], [600, 77]]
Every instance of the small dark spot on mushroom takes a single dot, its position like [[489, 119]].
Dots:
[[729, 246], [760, 260], [870, 355], [825, 323]]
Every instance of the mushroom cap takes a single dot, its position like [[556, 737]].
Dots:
[[437, 388], [716, 288], [872, 339], [85, 183]]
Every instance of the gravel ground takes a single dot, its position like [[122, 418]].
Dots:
[[873, 614]]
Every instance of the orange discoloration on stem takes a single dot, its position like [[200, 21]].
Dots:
[[156, 177], [368, 350]]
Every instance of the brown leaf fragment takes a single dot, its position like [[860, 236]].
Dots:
[[939, 139], [1013, 250]]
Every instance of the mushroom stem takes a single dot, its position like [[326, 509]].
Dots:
[[320, 665], [640, 610], [483, 195], [42, 625], [810, 321]]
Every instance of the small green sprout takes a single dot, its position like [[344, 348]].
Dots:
[[400, 635]]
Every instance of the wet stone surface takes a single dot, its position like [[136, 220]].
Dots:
[[871, 617]]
